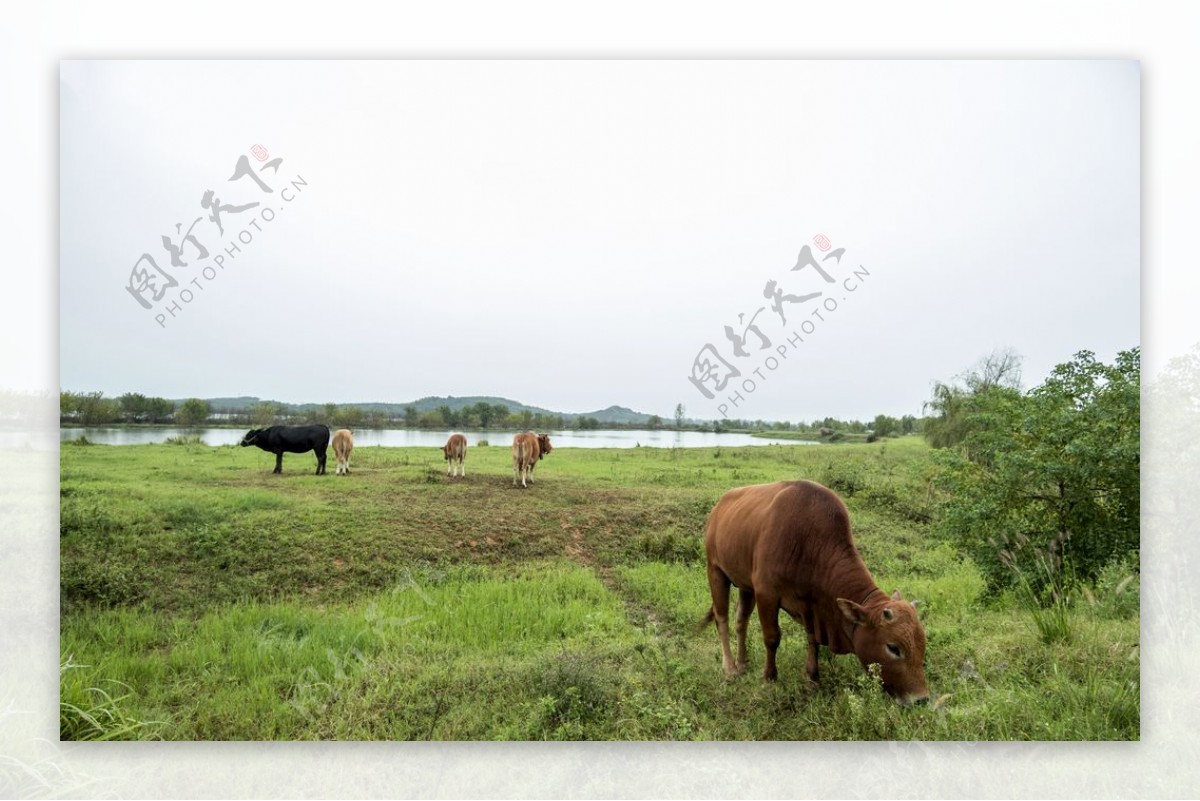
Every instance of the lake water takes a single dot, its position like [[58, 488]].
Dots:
[[404, 437]]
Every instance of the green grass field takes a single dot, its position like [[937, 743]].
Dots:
[[205, 598]]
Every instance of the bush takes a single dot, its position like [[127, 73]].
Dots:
[[1053, 473]]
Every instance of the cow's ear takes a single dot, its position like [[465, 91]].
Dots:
[[853, 612], [895, 595]]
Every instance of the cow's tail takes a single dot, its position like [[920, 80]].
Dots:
[[708, 618], [328, 437]]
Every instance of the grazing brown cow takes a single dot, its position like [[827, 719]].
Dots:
[[528, 448], [455, 452], [343, 443], [788, 545]]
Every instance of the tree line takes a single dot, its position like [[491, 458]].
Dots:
[[134, 408]]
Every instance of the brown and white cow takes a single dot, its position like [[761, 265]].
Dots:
[[343, 443], [528, 448], [788, 545], [455, 453]]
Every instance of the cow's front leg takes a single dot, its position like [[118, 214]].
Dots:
[[810, 662], [278, 461], [768, 618], [320, 462]]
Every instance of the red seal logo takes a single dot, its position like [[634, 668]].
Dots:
[[259, 152], [822, 242]]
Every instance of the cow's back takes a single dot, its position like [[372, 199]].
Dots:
[[790, 539]]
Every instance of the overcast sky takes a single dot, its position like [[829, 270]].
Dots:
[[572, 234]]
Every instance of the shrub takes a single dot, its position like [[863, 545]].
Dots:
[[1057, 468]]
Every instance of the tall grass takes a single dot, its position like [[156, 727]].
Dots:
[[184, 439], [91, 712], [1045, 595]]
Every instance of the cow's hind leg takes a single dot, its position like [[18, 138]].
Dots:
[[320, 461], [718, 585], [810, 662], [278, 462], [768, 618], [744, 607]]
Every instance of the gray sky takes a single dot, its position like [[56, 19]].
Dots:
[[571, 234]]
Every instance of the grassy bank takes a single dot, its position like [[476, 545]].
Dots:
[[205, 598]]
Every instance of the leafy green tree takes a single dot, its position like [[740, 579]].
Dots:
[[680, 411], [411, 417], [68, 404], [265, 413], [499, 414], [449, 416], [193, 412], [135, 407], [350, 417], [91, 408], [655, 422], [952, 404], [1049, 477], [485, 412], [885, 426], [908, 424]]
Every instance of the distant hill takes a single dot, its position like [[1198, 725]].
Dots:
[[618, 414], [612, 414]]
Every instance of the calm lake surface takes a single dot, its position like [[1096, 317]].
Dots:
[[403, 437]]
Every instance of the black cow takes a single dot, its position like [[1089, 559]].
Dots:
[[290, 439]]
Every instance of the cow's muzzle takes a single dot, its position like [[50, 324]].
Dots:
[[913, 699]]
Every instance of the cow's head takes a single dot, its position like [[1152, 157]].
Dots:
[[251, 437], [887, 633], [544, 445], [446, 452]]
